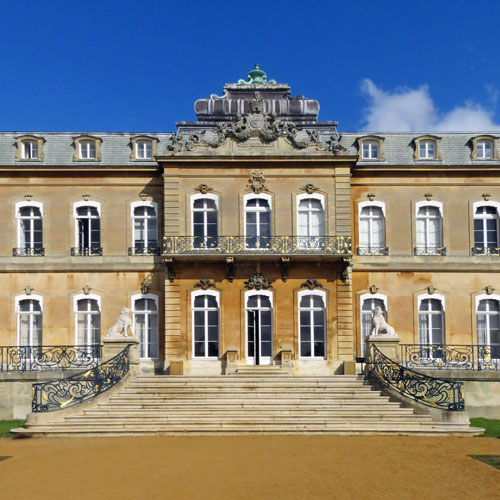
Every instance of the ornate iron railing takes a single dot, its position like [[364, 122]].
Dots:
[[67, 392], [28, 252], [86, 251], [272, 245], [437, 393], [446, 357], [140, 250], [372, 251], [434, 251], [485, 251], [28, 358]]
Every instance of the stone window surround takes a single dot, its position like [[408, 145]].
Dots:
[[81, 296], [78, 204], [19, 298], [142, 203], [152, 296], [373, 138], [22, 204], [194, 294], [81, 138], [373, 203], [20, 147], [437, 153], [133, 145], [257, 196], [475, 140], [199, 196]]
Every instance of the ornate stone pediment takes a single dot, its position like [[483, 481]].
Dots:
[[257, 182], [309, 188], [205, 284], [203, 188], [311, 284], [258, 282]]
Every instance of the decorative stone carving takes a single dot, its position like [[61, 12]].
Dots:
[[371, 196], [431, 289], [333, 144], [86, 289], [373, 289], [428, 196], [488, 289], [311, 284], [122, 325], [205, 284], [309, 188], [146, 284], [380, 325], [258, 282], [257, 182], [203, 188], [28, 289]]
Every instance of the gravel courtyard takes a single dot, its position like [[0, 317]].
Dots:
[[338, 467]]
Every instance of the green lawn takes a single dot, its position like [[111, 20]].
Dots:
[[491, 426], [7, 425]]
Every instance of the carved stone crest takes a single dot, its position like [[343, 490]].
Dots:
[[258, 282], [311, 284], [203, 188], [309, 188], [205, 284], [257, 182]]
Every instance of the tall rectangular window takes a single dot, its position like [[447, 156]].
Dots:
[[30, 231], [146, 326], [205, 231], [205, 326], [257, 223], [29, 315], [88, 322], [145, 225], [89, 230], [486, 230]]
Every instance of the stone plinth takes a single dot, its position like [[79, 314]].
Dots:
[[114, 345], [286, 358], [230, 363], [386, 344]]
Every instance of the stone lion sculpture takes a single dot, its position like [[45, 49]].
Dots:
[[122, 325], [379, 324]]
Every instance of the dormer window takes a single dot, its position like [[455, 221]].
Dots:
[[143, 148], [87, 148], [427, 148], [484, 148], [29, 148], [370, 148]]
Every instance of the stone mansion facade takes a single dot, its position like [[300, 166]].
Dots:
[[256, 231]]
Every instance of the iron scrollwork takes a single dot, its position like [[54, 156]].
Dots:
[[438, 393], [69, 391], [38, 358]]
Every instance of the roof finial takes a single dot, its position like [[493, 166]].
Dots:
[[257, 76]]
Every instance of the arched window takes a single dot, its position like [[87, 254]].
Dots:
[[145, 228], [486, 227], [429, 229], [88, 228], [372, 228], [145, 313], [368, 304], [87, 309], [431, 324], [257, 221], [259, 324], [29, 320], [312, 324], [205, 220], [30, 232], [205, 309], [488, 326]]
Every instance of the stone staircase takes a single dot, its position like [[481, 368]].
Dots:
[[244, 404]]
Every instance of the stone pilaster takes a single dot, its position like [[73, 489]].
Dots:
[[173, 337]]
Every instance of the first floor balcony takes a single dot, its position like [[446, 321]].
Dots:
[[257, 245]]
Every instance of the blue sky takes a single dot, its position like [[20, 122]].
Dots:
[[139, 66]]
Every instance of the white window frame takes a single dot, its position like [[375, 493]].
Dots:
[[198, 293], [246, 296], [425, 143], [479, 298], [140, 142], [370, 143], [367, 204], [23, 204], [78, 204], [322, 294], [435, 296], [30, 142], [136, 204], [80, 296], [150, 296], [201, 196], [362, 299], [483, 149], [298, 199], [479, 204], [439, 206], [86, 142], [17, 300], [255, 196]]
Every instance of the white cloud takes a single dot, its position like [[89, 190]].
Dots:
[[405, 110]]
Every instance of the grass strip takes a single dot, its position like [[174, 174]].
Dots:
[[493, 460], [7, 425], [491, 426]]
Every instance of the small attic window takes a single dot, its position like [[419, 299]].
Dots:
[[29, 148], [427, 148], [370, 148], [87, 148], [143, 148]]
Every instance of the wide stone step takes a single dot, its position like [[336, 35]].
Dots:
[[248, 388], [246, 395]]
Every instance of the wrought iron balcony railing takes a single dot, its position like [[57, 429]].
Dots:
[[434, 251], [451, 357], [28, 252], [372, 251], [431, 391], [248, 245], [86, 251], [143, 250], [486, 251], [37, 358]]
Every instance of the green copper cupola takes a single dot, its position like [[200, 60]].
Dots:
[[256, 75]]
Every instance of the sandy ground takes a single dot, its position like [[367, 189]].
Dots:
[[357, 467]]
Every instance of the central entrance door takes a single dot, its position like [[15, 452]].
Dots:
[[259, 330]]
